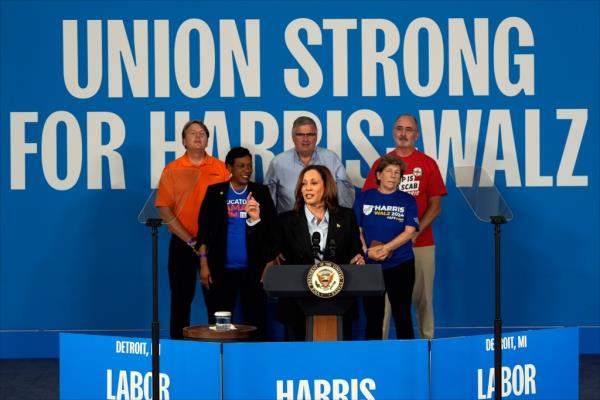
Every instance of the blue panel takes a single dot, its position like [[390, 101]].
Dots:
[[105, 367], [390, 370], [542, 364]]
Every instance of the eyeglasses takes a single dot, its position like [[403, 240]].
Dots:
[[406, 129], [308, 135]]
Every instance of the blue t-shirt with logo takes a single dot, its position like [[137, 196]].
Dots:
[[383, 217], [236, 256]]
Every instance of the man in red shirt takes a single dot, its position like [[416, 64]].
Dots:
[[423, 180]]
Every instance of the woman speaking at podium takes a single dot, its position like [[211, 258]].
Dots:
[[388, 221], [317, 229]]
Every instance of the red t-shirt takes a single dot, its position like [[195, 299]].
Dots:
[[422, 179]]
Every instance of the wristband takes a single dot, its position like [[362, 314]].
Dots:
[[203, 255]]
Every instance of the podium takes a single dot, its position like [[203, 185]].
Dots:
[[323, 315]]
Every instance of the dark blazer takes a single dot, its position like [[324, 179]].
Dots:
[[343, 237], [213, 221], [293, 241]]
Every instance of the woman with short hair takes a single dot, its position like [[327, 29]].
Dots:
[[388, 221], [231, 256]]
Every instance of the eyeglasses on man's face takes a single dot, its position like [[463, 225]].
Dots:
[[307, 135], [406, 129]]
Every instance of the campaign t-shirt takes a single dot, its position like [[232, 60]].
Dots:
[[383, 217], [236, 255], [422, 179]]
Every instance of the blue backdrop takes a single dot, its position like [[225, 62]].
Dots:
[[94, 94]]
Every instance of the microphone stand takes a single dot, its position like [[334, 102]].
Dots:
[[154, 224], [316, 246], [497, 220], [487, 205], [332, 249]]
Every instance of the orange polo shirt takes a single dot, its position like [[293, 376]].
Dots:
[[182, 187]]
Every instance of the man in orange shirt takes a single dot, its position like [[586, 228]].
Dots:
[[180, 193]]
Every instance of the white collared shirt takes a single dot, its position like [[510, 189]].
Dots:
[[321, 227]]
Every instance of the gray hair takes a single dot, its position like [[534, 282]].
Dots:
[[408, 115], [303, 120]]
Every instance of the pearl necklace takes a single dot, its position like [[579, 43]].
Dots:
[[235, 191]]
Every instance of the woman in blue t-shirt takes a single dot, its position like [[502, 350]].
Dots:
[[230, 235], [388, 221]]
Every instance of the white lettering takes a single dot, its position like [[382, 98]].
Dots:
[[216, 122], [231, 50], [304, 390], [378, 50], [288, 393], [371, 57], [162, 59], [476, 65], [19, 148], [159, 145], [248, 124], [310, 66], [206, 58], [96, 150], [359, 139], [340, 29], [451, 137], [120, 51], [71, 58], [133, 385], [579, 118], [500, 127], [522, 341], [131, 347], [322, 389], [366, 386], [73, 149], [435, 57], [340, 389], [518, 380], [533, 151], [525, 62]]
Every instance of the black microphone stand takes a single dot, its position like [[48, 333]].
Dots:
[[331, 250], [316, 245], [487, 205], [497, 220], [154, 224]]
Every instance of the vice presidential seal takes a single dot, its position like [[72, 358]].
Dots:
[[325, 279]]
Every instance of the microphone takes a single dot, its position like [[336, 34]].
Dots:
[[316, 245], [331, 249]]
